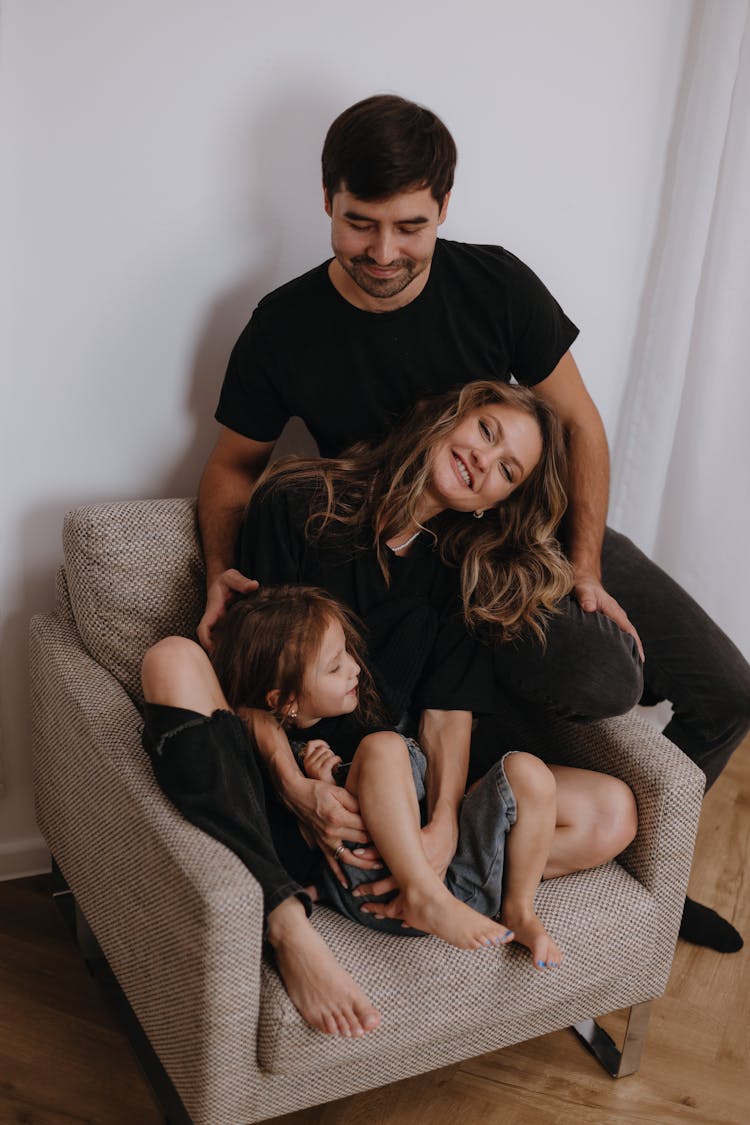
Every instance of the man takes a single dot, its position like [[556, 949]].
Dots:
[[398, 314]]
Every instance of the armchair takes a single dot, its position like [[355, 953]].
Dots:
[[179, 918]]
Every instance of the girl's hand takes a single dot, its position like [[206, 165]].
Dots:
[[319, 761]]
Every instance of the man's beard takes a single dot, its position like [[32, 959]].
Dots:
[[383, 287]]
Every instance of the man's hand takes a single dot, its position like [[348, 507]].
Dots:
[[592, 597], [221, 592]]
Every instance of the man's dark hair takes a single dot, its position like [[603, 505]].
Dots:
[[385, 145]]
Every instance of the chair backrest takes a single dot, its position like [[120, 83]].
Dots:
[[135, 574]]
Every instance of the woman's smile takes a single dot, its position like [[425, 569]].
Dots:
[[463, 470]]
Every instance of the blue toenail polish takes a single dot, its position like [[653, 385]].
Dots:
[[542, 964], [509, 933]]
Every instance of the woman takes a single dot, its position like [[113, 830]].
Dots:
[[446, 528], [442, 534]]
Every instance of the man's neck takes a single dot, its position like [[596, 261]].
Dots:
[[351, 292]]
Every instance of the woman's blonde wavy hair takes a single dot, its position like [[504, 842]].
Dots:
[[513, 572]]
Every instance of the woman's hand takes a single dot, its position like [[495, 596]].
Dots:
[[439, 841], [328, 816]]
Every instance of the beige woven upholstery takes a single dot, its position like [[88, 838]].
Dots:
[[179, 917]]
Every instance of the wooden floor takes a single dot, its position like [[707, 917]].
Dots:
[[64, 1061]]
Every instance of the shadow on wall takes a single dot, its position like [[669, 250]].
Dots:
[[273, 194], [280, 195]]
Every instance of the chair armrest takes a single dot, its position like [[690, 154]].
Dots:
[[177, 915]]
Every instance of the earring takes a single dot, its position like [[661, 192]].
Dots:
[[293, 712], [479, 514]]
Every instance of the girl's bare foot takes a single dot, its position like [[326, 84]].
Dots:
[[438, 912], [529, 931], [321, 990]]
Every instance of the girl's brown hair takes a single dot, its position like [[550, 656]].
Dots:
[[269, 639], [513, 571]]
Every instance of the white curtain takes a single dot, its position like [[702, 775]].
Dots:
[[681, 465]]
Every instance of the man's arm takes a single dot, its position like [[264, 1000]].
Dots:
[[588, 487], [228, 479]]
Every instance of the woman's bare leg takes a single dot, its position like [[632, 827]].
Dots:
[[321, 990], [380, 777], [527, 852], [177, 673], [597, 817]]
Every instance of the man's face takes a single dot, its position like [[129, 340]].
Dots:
[[383, 247]]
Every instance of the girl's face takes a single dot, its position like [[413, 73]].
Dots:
[[485, 458], [330, 683]]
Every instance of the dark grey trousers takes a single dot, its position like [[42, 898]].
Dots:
[[590, 669]]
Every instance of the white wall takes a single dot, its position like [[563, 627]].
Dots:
[[161, 173]]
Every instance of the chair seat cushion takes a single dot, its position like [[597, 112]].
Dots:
[[426, 991]]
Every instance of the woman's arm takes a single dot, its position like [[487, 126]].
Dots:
[[327, 813], [445, 738]]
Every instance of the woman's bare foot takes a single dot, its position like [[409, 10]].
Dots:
[[321, 990], [529, 931], [438, 912]]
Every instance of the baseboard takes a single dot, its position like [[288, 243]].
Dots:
[[20, 858]]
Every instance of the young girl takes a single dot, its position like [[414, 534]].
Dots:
[[295, 652]]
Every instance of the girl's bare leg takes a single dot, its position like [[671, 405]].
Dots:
[[380, 777], [594, 818], [177, 673], [527, 852]]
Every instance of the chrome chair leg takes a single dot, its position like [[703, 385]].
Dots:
[[618, 1062]]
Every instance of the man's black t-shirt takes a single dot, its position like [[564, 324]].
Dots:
[[349, 374]]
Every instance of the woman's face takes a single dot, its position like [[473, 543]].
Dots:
[[485, 458]]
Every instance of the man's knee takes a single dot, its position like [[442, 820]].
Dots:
[[603, 690]]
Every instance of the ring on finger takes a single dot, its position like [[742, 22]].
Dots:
[[339, 850]]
